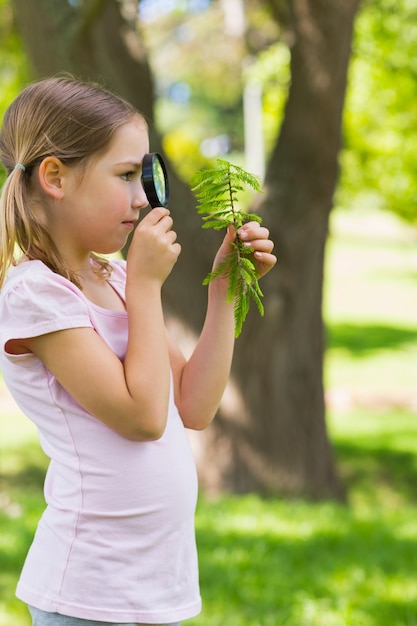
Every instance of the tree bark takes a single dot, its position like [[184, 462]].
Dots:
[[270, 434], [93, 41]]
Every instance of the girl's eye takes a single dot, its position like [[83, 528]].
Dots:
[[127, 176]]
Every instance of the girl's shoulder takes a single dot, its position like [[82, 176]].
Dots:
[[36, 274], [34, 277], [32, 294], [31, 286]]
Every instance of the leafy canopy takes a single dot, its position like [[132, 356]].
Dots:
[[217, 191], [379, 160]]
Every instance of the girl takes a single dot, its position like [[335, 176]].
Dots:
[[86, 355]]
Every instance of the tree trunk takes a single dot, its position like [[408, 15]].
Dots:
[[270, 433], [93, 41], [271, 436]]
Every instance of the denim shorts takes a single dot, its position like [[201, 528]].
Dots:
[[43, 618]]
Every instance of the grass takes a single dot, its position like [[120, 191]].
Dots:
[[293, 563], [371, 305], [270, 563]]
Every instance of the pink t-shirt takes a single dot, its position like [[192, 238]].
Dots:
[[116, 541]]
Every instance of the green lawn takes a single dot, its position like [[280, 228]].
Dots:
[[371, 305], [292, 563]]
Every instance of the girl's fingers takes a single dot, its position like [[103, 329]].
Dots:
[[264, 262], [263, 245], [266, 258], [156, 214], [253, 230]]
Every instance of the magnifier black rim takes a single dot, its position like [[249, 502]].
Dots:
[[148, 180]]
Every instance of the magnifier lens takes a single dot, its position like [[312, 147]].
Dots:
[[155, 180], [159, 179]]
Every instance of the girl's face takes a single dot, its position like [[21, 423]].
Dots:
[[100, 211]]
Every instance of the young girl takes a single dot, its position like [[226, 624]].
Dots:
[[86, 355]]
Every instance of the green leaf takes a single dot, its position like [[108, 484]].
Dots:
[[217, 190]]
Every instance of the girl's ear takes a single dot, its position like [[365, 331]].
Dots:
[[51, 175]]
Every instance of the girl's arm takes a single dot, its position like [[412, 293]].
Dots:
[[131, 397], [200, 381]]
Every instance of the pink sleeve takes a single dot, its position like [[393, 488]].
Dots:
[[34, 303]]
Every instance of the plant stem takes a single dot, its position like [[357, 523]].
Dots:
[[238, 241]]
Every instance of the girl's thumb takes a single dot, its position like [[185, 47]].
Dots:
[[230, 234]]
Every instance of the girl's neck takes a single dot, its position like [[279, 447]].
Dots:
[[99, 291]]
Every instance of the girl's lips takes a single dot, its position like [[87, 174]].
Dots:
[[129, 224]]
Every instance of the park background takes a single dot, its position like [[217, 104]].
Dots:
[[298, 559]]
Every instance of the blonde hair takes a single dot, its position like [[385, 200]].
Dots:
[[61, 117]]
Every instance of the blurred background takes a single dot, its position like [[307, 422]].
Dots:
[[307, 513]]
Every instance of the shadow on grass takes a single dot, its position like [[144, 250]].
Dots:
[[31, 476], [339, 573], [372, 469], [363, 339], [376, 453]]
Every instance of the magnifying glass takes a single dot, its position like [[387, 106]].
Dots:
[[155, 179]]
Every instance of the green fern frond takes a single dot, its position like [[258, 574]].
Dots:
[[216, 224], [217, 190]]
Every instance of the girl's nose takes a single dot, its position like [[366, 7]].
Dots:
[[139, 199]]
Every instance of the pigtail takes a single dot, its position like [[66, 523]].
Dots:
[[21, 232], [12, 204]]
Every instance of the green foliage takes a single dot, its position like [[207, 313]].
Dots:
[[183, 150], [217, 192], [379, 160], [379, 155], [13, 62], [180, 40]]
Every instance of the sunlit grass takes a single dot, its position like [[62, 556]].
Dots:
[[370, 305], [293, 563], [371, 270], [274, 562]]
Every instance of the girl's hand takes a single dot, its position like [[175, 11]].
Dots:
[[154, 249], [256, 238]]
